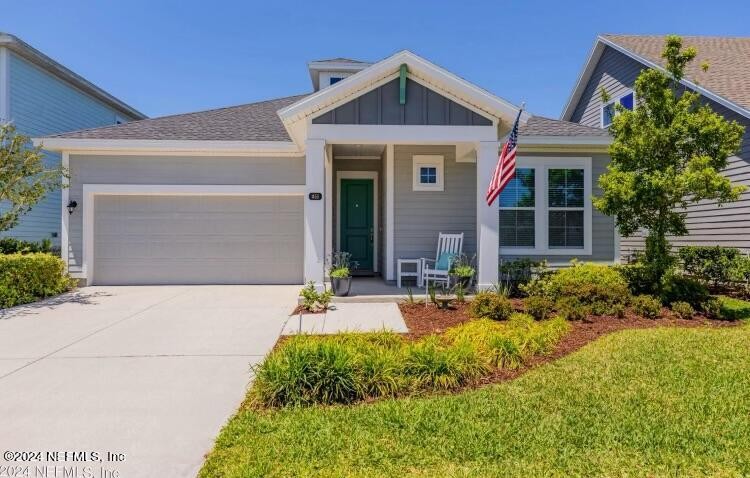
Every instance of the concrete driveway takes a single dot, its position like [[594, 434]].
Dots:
[[147, 373]]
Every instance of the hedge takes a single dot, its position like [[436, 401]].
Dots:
[[26, 278]]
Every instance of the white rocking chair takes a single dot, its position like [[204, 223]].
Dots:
[[448, 250]]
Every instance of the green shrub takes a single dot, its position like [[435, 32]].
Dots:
[[715, 264], [313, 300], [571, 308], [516, 273], [10, 245], [712, 308], [490, 305], [641, 278], [683, 310], [646, 306], [598, 287], [539, 306], [733, 309], [29, 277], [678, 288]]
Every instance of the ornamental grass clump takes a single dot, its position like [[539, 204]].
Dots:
[[340, 369]]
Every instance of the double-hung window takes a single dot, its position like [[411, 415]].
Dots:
[[565, 208], [517, 216], [546, 208]]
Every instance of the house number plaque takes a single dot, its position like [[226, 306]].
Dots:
[[315, 196]]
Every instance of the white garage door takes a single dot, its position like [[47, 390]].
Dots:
[[198, 240]]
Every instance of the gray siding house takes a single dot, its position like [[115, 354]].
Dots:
[[378, 160], [42, 97], [614, 64]]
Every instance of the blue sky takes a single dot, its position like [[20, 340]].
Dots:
[[173, 56]]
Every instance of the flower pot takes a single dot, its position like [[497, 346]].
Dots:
[[341, 286]]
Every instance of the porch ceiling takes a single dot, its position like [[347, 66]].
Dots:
[[358, 150]]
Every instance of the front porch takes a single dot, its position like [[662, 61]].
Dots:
[[388, 201]]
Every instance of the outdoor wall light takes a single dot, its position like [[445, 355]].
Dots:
[[72, 206]]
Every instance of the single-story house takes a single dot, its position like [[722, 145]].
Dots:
[[377, 161], [614, 63]]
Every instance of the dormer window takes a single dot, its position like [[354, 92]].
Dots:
[[325, 73], [609, 111]]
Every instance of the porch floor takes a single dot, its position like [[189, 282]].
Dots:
[[375, 289]]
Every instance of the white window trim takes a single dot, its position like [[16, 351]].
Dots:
[[541, 211], [613, 101], [430, 161]]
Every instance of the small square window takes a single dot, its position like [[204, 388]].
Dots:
[[427, 173], [334, 79]]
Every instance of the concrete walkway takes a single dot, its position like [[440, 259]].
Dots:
[[151, 373], [349, 317]]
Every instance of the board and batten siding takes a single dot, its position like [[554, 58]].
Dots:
[[708, 224], [40, 105], [194, 170], [423, 107], [602, 226], [419, 216]]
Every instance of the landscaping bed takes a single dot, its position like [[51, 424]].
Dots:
[[423, 320]]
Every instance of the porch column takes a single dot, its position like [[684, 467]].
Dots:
[[315, 217], [488, 220]]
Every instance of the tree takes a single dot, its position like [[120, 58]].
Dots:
[[24, 179], [666, 153]]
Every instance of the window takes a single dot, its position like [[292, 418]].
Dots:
[[517, 216], [546, 210], [609, 111], [334, 79], [565, 204], [119, 120], [427, 173]]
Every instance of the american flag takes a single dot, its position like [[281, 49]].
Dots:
[[506, 164]]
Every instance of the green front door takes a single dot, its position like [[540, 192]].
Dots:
[[357, 232]]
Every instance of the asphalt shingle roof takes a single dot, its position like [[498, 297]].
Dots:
[[728, 58], [250, 122], [541, 126]]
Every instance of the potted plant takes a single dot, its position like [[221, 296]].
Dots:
[[462, 271], [340, 272]]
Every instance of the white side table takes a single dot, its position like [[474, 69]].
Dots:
[[417, 272]]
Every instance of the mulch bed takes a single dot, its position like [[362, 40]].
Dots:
[[301, 310], [424, 320]]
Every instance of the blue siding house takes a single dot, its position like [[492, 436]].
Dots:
[[42, 97], [614, 64]]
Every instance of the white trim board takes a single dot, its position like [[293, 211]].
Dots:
[[542, 164], [376, 220], [182, 147], [401, 134], [92, 190], [593, 59], [4, 85]]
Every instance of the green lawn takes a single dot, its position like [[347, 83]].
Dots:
[[660, 402]]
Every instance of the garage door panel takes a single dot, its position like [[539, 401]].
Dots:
[[198, 240]]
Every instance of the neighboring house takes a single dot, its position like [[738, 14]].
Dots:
[[377, 161], [614, 64], [42, 97]]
